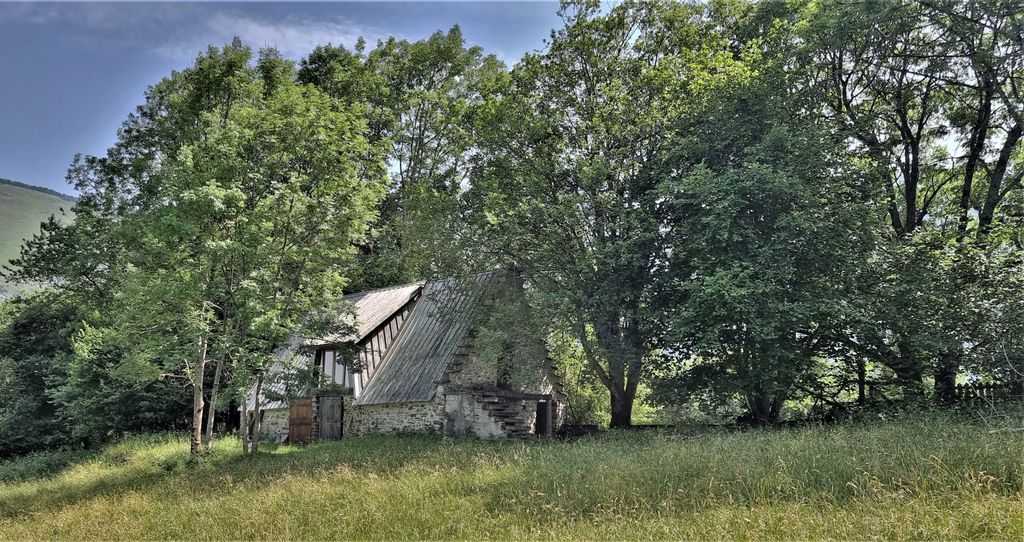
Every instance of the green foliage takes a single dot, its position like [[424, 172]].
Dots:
[[421, 99], [916, 476], [767, 232], [937, 121], [586, 398], [104, 394], [565, 186], [756, 204], [51, 397], [220, 225], [35, 342]]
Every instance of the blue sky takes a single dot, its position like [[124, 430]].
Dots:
[[71, 72]]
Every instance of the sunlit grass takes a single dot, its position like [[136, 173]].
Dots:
[[918, 477]]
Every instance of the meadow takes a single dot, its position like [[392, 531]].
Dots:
[[21, 211], [912, 476]]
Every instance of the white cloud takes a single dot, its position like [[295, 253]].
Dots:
[[180, 31], [294, 37]]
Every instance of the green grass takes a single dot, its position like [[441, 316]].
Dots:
[[21, 211], [917, 477]]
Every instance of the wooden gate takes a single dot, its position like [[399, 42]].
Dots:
[[330, 412], [300, 420]]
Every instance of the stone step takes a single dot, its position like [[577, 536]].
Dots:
[[508, 415]]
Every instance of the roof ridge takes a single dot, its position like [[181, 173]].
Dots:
[[424, 281], [467, 276], [384, 288]]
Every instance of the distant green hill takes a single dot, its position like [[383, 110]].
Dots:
[[22, 209]]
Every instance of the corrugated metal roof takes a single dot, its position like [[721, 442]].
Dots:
[[428, 340]]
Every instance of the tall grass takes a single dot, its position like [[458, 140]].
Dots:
[[928, 476]]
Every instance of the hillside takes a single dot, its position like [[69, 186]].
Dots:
[[930, 476], [22, 209]]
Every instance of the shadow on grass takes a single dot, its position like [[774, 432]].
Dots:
[[42, 465], [114, 471]]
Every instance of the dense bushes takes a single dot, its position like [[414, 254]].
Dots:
[[49, 397]]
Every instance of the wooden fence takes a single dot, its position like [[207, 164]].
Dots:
[[974, 393]]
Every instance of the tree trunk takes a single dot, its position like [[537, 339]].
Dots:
[[909, 372], [763, 408], [945, 379], [197, 397], [622, 392], [244, 426], [861, 381], [976, 147], [210, 415], [254, 440], [995, 187], [622, 409]]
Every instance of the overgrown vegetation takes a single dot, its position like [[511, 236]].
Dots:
[[763, 212], [914, 476]]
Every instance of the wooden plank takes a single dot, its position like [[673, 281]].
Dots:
[[330, 413], [300, 420]]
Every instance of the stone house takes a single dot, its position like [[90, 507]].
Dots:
[[422, 367]]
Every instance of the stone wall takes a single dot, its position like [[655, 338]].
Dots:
[[274, 425], [453, 411], [470, 370], [410, 417], [465, 416], [471, 374]]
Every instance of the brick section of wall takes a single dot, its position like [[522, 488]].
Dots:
[[470, 372], [465, 416]]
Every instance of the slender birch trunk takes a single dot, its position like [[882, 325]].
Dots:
[[197, 396], [213, 402], [254, 441]]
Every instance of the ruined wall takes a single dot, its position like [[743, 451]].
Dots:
[[465, 416], [469, 370], [410, 417], [274, 427]]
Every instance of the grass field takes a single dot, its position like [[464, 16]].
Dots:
[[915, 477]]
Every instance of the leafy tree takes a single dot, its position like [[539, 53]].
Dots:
[[565, 187], [421, 97], [767, 229], [34, 340], [233, 197], [929, 92]]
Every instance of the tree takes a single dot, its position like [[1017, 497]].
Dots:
[[421, 97], [35, 340], [235, 198], [768, 227], [565, 187], [929, 92]]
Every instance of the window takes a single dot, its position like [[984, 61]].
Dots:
[[335, 372]]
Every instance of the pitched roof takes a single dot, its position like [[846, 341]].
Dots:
[[428, 340], [423, 349]]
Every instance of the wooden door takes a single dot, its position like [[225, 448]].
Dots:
[[331, 411], [300, 420], [542, 426]]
